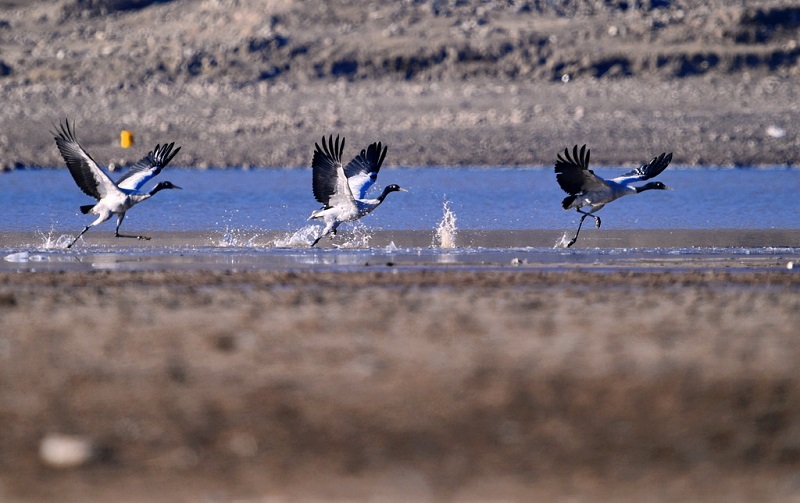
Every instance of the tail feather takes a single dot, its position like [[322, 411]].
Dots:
[[86, 208], [568, 201]]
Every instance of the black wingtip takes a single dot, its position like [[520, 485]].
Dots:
[[580, 156], [331, 148], [161, 155], [383, 155], [63, 131]]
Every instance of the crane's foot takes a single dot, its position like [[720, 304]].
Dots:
[[597, 222]]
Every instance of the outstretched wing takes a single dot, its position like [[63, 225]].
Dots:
[[646, 171], [326, 168], [573, 173], [147, 167], [362, 171], [89, 177]]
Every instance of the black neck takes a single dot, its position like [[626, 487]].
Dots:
[[647, 186], [385, 193], [156, 189]]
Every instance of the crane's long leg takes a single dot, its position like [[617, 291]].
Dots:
[[585, 214], [596, 218], [120, 218], [575, 238], [327, 230], [79, 236]]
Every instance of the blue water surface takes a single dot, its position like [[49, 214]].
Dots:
[[481, 198]]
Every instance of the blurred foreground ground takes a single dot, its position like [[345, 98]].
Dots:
[[415, 385]]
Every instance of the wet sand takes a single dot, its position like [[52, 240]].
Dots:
[[408, 382]]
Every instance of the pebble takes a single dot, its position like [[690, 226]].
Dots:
[[65, 451]]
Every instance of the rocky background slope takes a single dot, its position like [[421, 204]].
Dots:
[[453, 82]]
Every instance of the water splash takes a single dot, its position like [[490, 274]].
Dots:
[[359, 237], [51, 241], [446, 231], [235, 238], [301, 237], [563, 241]]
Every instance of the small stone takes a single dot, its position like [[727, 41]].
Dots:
[[65, 451], [774, 131]]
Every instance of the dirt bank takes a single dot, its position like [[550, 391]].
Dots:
[[246, 82]]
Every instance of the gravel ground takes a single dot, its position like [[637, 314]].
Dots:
[[252, 83]]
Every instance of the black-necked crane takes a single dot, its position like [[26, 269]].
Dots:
[[341, 189], [587, 189], [112, 198]]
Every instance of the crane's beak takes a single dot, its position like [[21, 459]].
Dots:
[[176, 187], [668, 188], [401, 189]]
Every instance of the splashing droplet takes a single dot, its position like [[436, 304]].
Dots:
[[446, 231], [563, 241], [52, 241], [235, 238], [301, 237], [359, 238]]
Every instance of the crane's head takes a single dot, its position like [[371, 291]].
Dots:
[[394, 188], [391, 188], [164, 185], [653, 186]]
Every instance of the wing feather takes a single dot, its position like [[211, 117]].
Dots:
[[646, 171], [573, 173], [88, 175], [325, 169], [362, 171], [147, 167]]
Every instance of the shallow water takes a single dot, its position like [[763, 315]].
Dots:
[[729, 250], [480, 198], [452, 217]]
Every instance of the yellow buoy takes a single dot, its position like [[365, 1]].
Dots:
[[126, 138]]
